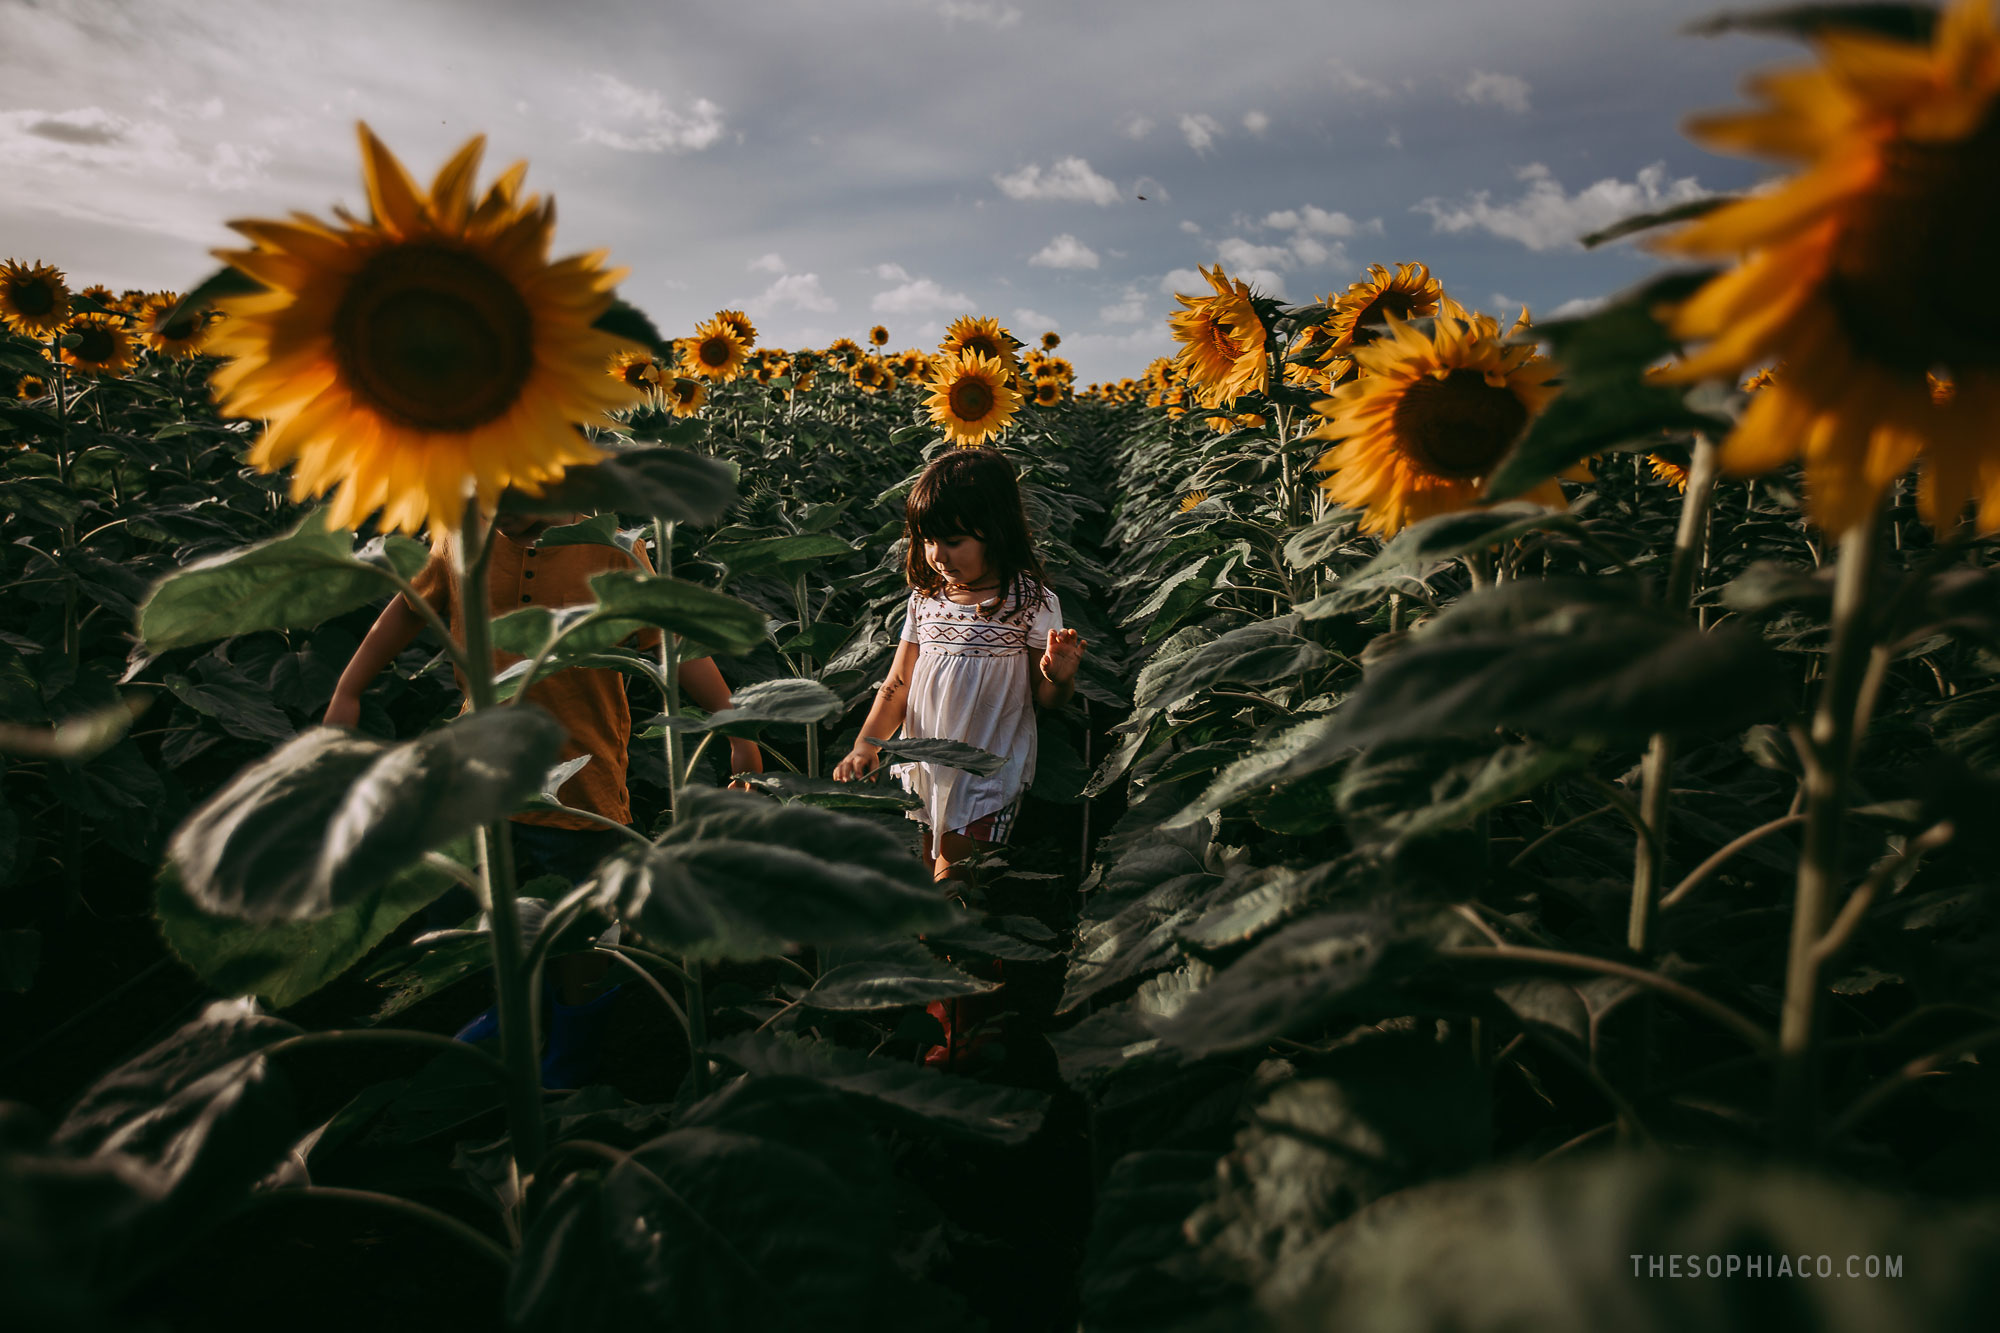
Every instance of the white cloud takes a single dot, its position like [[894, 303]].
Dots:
[[1127, 351], [768, 263], [1265, 281], [978, 11], [1138, 127], [1129, 309], [1319, 222], [1070, 178], [1506, 91], [1150, 190], [1200, 131], [1065, 251], [892, 273], [1576, 307], [800, 291], [640, 121], [1191, 228], [1256, 122], [1395, 139], [1547, 217], [916, 297], [1351, 81], [1237, 253], [1030, 319]]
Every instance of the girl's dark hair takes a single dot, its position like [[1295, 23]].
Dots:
[[973, 493]]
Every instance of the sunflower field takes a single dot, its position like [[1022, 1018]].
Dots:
[[1522, 839]]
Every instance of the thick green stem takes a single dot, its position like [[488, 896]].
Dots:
[[1657, 774], [518, 1047], [1818, 891], [804, 603]]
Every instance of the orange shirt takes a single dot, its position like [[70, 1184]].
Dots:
[[589, 701]]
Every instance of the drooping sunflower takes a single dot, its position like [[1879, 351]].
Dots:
[[846, 351], [716, 352], [104, 349], [427, 350], [684, 395], [34, 299], [1225, 356], [169, 337], [1896, 143], [1051, 340], [978, 336], [638, 371], [879, 335], [30, 387], [1669, 470], [737, 320], [1432, 415], [970, 398], [1360, 314]]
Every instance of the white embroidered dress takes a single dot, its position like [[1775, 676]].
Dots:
[[972, 683]]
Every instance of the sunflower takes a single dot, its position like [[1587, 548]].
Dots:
[[178, 338], [34, 300], [637, 371], [1048, 393], [737, 320], [1667, 469], [1430, 418], [429, 349], [879, 335], [103, 346], [684, 395], [802, 380], [1051, 340], [1225, 356], [1896, 142], [1191, 499], [846, 351], [1055, 368], [912, 365], [1359, 315], [716, 351], [970, 398], [30, 387], [1763, 379], [978, 336], [870, 376]]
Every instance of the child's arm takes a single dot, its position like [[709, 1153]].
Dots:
[[892, 705], [1055, 673], [704, 684], [393, 631]]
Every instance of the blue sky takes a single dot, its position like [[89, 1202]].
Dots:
[[832, 165]]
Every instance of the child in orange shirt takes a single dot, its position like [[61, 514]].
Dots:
[[589, 702]]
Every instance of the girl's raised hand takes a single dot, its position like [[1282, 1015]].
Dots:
[[1064, 655], [863, 761]]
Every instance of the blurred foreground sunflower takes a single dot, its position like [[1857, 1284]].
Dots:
[[1897, 144], [1225, 356], [1432, 414], [427, 350], [34, 299], [103, 348], [970, 398]]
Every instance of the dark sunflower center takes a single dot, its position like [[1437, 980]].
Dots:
[[34, 298], [434, 338], [1457, 427], [635, 374], [98, 345], [971, 399], [713, 352], [1374, 317], [1916, 273], [180, 330], [984, 345]]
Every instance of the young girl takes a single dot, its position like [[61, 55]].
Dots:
[[982, 642], [589, 702]]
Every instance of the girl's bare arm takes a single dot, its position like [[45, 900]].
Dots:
[[892, 705], [393, 631], [704, 684]]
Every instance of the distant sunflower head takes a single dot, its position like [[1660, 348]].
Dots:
[[1048, 392], [1055, 368], [429, 351], [716, 352], [805, 360], [802, 380], [978, 336], [912, 365], [970, 398], [870, 376], [30, 387], [167, 334], [1360, 314], [879, 335], [1670, 470], [636, 370], [846, 351], [103, 347], [746, 332], [102, 295], [34, 299], [684, 395], [1224, 357], [1051, 340], [1895, 142], [1191, 499], [1420, 430]]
